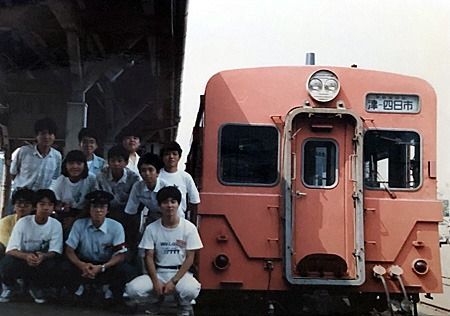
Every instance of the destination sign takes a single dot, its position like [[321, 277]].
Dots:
[[392, 103]]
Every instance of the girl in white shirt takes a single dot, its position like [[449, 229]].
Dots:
[[71, 187]]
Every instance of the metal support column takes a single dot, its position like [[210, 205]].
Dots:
[[76, 106]]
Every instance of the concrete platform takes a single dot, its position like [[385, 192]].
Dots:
[[427, 310], [32, 309]]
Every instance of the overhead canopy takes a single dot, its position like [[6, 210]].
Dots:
[[120, 60]]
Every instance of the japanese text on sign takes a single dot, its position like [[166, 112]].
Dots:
[[392, 103]]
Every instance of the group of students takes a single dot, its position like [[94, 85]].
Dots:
[[104, 216]]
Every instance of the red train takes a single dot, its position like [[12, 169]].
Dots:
[[318, 189]]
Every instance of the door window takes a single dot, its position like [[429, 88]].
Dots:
[[319, 163]]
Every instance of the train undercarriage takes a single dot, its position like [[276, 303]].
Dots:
[[302, 302]]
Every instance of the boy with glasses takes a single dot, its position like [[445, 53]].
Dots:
[[96, 248], [22, 201], [88, 145]]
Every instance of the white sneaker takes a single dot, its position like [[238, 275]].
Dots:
[[152, 313], [80, 290], [153, 309], [107, 293], [184, 310], [37, 295], [6, 295]]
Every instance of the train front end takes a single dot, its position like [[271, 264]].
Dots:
[[319, 183]]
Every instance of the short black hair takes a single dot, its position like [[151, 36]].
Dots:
[[87, 132], [45, 124], [128, 131], [118, 151], [78, 156], [99, 197], [44, 193], [23, 194], [172, 146], [168, 192], [150, 159]]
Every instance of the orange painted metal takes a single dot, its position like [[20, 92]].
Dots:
[[325, 218], [247, 222]]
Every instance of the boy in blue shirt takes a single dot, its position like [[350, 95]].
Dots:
[[118, 180], [88, 145]]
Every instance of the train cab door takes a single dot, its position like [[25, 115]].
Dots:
[[324, 227]]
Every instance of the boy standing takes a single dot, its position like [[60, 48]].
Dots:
[[131, 142], [144, 192], [88, 145], [143, 196], [118, 180], [31, 253], [171, 154], [35, 166], [170, 244]]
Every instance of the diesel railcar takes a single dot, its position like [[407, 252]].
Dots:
[[318, 190]]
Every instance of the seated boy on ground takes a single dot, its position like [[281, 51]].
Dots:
[[96, 248], [22, 201], [170, 244], [35, 242]]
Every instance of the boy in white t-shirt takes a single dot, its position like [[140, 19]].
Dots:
[[170, 244], [170, 155], [35, 242]]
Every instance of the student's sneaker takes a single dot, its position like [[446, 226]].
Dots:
[[107, 293], [152, 313], [21, 284], [38, 295], [153, 309], [79, 292], [6, 295], [185, 310]]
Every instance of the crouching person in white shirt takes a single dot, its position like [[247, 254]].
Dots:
[[170, 244], [35, 243]]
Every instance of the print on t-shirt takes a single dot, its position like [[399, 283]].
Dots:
[[173, 247]]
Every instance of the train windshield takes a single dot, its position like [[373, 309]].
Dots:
[[392, 159], [248, 155]]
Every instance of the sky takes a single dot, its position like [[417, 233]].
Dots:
[[407, 37]]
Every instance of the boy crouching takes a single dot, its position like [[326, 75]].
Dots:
[[170, 244]]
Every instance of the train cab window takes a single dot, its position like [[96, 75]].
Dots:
[[248, 155], [392, 159], [319, 163]]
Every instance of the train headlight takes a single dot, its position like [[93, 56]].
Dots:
[[315, 85], [221, 262], [323, 86], [420, 266]]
